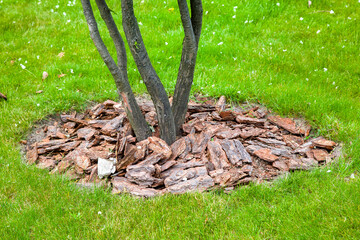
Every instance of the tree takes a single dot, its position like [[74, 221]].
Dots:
[[170, 118]]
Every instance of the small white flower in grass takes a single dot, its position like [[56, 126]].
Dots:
[[64, 13], [307, 79], [68, 21], [213, 2], [234, 58], [328, 171], [239, 92], [343, 46], [19, 59], [235, 7], [213, 85], [71, 70], [220, 43], [333, 83], [325, 69], [206, 13], [213, 33], [346, 6], [140, 23], [284, 50], [99, 212], [38, 57], [246, 21], [332, 12], [57, 6], [234, 16], [318, 31], [51, 10], [336, 87], [166, 43], [349, 18], [278, 4], [28, 41], [301, 18], [22, 66], [270, 84], [301, 42], [15, 125], [307, 27], [38, 104], [270, 43], [328, 25]]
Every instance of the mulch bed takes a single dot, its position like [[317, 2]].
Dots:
[[220, 148]]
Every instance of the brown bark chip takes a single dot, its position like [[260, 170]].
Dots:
[[265, 154], [323, 143], [212, 152]]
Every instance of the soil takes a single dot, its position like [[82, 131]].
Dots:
[[222, 146]]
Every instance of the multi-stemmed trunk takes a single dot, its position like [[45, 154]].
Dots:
[[170, 118]]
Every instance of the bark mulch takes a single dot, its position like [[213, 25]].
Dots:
[[220, 148]]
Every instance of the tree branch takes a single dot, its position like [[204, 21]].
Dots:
[[196, 18], [192, 30], [115, 35], [147, 72], [137, 120]]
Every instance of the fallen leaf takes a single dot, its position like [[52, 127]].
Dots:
[[44, 75], [171, 9], [60, 55], [61, 75], [3, 96], [40, 91], [12, 62]]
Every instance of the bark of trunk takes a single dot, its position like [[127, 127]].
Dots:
[[192, 29], [148, 73], [137, 120]]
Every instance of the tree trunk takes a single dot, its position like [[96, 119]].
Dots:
[[192, 29], [148, 73], [137, 120]]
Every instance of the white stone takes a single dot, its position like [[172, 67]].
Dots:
[[106, 167]]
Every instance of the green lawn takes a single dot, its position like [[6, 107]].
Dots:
[[296, 60]]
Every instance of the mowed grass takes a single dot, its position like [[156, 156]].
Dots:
[[296, 60]]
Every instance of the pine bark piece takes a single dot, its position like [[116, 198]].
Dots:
[[32, 154], [281, 165], [184, 175], [151, 118], [293, 141], [141, 174], [254, 132], [227, 115], [290, 125], [302, 163], [127, 160], [228, 133], [221, 104], [271, 141], [195, 108], [122, 185], [80, 157], [217, 155], [182, 165], [112, 127], [199, 143], [201, 115], [98, 123], [159, 146], [229, 178], [323, 143], [199, 184], [248, 120], [265, 154], [63, 166], [236, 152], [86, 133], [178, 147], [320, 154]]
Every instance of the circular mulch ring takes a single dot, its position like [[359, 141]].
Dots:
[[220, 148]]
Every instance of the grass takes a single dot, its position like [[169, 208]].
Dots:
[[249, 53]]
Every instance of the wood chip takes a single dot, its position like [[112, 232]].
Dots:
[[265, 154]]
